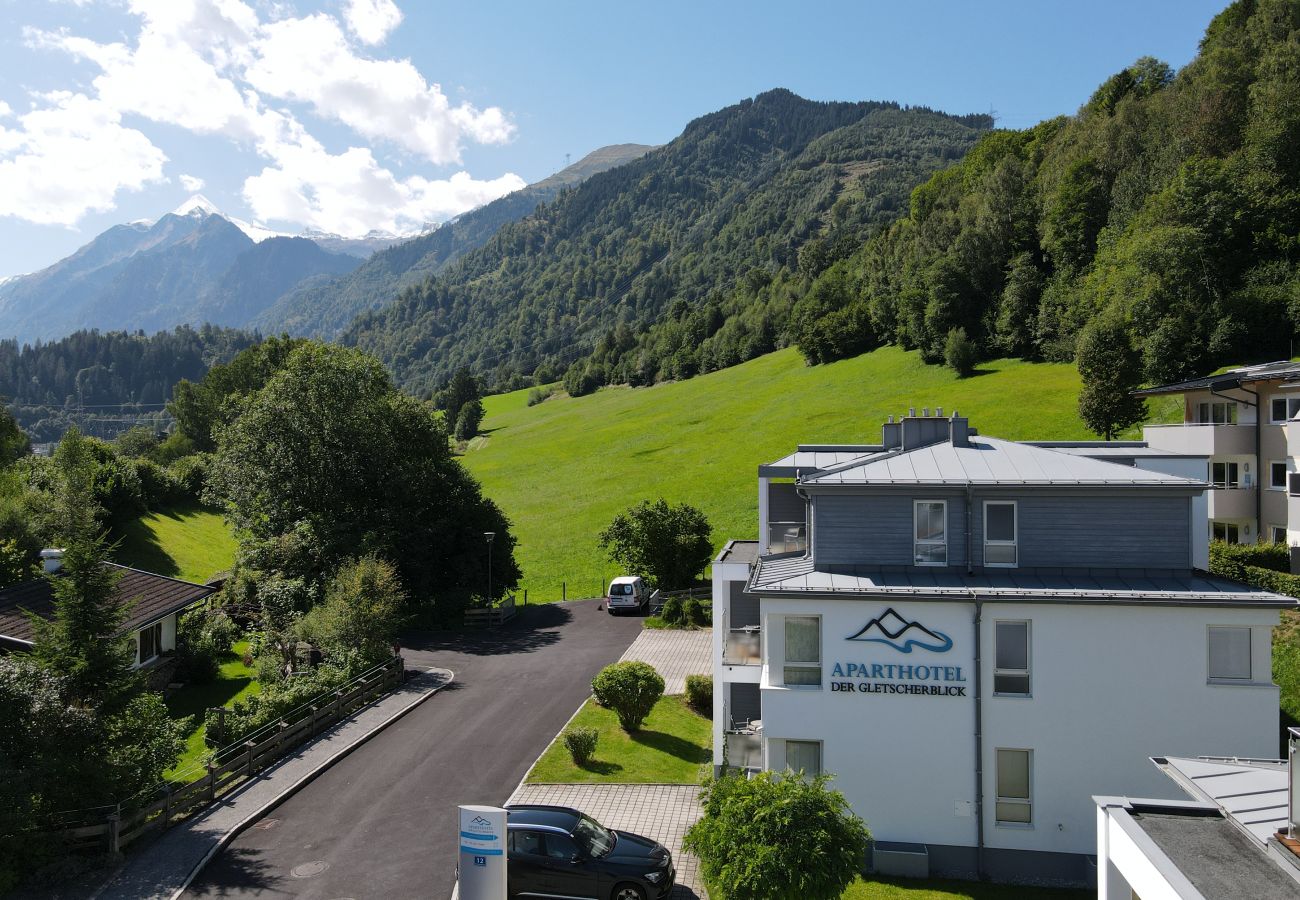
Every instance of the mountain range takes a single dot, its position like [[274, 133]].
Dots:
[[197, 265]]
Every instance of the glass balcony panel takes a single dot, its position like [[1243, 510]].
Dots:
[[787, 537], [743, 647]]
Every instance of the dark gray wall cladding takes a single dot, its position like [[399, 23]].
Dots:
[[1072, 531], [744, 607], [865, 530], [746, 702], [784, 504]]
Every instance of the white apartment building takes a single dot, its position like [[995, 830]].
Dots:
[[975, 636]]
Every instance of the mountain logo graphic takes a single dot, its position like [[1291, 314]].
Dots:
[[478, 823], [893, 630]]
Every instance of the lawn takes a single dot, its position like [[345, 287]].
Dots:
[[672, 747], [562, 469], [234, 682], [189, 542], [941, 889]]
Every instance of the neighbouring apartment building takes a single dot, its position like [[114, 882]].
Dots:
[[1245, 423], [975, 636]]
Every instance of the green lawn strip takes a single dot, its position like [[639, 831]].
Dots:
[[234, 682], [189, 542], [943, 889], [562, 469], [672, 747]]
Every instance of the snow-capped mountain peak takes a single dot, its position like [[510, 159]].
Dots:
[[199, 206]]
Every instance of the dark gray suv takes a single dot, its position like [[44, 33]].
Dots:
[[555, 851]]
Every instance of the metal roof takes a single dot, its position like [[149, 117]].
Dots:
[[986, 460], [1252, 793], [150, 597], [798, 574], [813, 458], [1281, 370], [1217, 860]]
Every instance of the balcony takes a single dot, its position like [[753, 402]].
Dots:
[[787, 537], [1194, 439], [1231, 503], [743, 646], [745, 749]]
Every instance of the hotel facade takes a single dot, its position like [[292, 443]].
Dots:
[[975, 636]]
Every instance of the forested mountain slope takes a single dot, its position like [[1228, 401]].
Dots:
[[1169, 201], [323, 307], [675, 262]]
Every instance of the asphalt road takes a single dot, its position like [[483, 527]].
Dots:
[[381, 823]]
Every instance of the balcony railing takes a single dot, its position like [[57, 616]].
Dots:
[[745, 749], [787, 537], [1198, 439], [743, 647]]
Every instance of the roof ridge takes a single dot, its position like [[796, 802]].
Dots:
[[158, 575]]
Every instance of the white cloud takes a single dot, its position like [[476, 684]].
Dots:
[[69, 158], [211, 66], [191, 183], [372, 20]]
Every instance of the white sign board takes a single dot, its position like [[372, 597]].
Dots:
[[482, 868]]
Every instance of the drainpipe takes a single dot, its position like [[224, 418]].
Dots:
[[1259, 474], [979, 742], [970, 500]]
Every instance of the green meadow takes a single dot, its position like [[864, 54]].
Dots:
[[563, 468], [189, 542]]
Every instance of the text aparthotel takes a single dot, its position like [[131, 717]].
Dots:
[[975, 636]]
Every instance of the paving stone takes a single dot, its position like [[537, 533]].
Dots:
[[674, 654]]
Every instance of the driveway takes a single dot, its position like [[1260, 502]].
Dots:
[[382, 822]]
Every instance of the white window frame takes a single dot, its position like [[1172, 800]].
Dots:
[[821, 755], [917, 542], [1014, 543], [141, 659], [786, 664], [1027, 671], [1205, 412], [1273, 533], [1250, 655], [1228, 483], [1027, 802], [1292, 407], [1272, 486]]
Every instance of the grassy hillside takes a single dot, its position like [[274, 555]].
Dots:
[[188, 542], [563, 468]]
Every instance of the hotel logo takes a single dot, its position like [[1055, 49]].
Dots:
[[893, 630]]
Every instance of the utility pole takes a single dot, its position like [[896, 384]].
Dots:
[[488, 536]]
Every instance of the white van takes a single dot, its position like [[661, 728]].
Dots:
[[628, 592]]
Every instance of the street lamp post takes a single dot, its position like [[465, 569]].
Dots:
[[488, 536]]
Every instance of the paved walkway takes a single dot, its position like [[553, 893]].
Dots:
[[165, 867], [659, 811], [674, 654]]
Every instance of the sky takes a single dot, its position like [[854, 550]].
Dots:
[[347, 116]]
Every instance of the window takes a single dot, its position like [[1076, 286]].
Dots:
[[1013, 803], [150, 642], [1216, 413], [1277, 476], [1278, 533], [1284, 408], [1011, 658], [1224, 474], [803, 650], [1230, 652], [525, 843], [560, 846], [1226, 531], [931, 545], [804, 756], [1000, 533]]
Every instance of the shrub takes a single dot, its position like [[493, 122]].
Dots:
[[157, 485], [538, 394], [360, 614], [581, 743], [699, 693], [673, 612], [252, 713], [631, 689], [190, 473], [669, 545], [203, 637], [693, 613], [757, 836], [1259, 565], [959, 353]]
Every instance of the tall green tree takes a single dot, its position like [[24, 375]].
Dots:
[[1111, 370], [669, 545]]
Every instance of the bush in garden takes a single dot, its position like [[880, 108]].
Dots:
[[673, 613], [699, 693], [581, 743], [758, 835], [203, 637], [277, 699], [693, 613], [190, 474], [630, 689]]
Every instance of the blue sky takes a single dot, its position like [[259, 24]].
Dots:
[[349, 115]]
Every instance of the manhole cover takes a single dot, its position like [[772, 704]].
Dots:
[[266, 823], [308, 869]]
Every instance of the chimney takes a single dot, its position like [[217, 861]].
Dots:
[[52, 560]]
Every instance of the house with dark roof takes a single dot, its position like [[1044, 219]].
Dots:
[[975, 636], [154, 603]]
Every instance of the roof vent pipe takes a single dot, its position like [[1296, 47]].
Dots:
[[52, 560], [891, 420], [911, 412], [938, 411], [925, 412]]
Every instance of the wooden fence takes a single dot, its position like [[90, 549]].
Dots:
[[499, 614], [112, 828]]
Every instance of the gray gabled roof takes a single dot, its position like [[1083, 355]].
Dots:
[[1282, 370], [815, 457], [992, 461]]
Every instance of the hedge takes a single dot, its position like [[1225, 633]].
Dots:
[[1265, 566]]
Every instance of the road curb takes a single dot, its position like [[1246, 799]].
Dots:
[[307, 779]]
